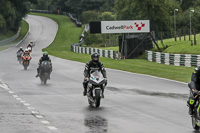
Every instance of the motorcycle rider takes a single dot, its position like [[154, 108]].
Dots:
[[194, 86], [94, 64], [26, 52], [45, 57], [20, 50], [30, 45]]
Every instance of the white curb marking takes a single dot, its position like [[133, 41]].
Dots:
[[26, 104], [31, 108], [19, 99], [45, 122], [22, 101], [52, 128], [39, 116], [3, 85], [11, 92], [15, 96], [34, 112]]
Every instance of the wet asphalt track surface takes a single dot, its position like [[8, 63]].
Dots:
[[133, 103]]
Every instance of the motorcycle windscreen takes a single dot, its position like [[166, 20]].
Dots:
[[46, 66], [96, 76]]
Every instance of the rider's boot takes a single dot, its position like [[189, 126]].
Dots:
[[37, 75], [85, 88], [37, 72], [85, 92], [102, 95], [191, 111], [190, 104]]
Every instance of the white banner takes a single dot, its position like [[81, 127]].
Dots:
[[133, 26]]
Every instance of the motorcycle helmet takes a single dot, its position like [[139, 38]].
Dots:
[[20, 48], [45, 54], [26, 50], [95, 57]]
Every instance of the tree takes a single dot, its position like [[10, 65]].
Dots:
[[2, 24], [108, 6], [8, 15], [107, 16], [159, 12], [11, 13], [88, 16]]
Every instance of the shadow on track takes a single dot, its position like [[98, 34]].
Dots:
[[96, 124]]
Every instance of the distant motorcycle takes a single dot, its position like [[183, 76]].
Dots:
[[94, 91], [29, 49], [26, 60], [19, 57], [45, 71], [196, 116], [33, 44]]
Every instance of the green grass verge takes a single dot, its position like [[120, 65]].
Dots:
[[175, 47], [3, 48], [68, 33], [180, 46], [110, 48], [7, 35], [24, 30]]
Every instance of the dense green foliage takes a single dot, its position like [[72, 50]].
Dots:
[[159, 12], [11, 14], [23, 32]]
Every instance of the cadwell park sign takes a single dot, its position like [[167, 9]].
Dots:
[[129, 26], [135, 26]]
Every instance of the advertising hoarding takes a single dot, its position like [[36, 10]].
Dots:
[[133, 26]]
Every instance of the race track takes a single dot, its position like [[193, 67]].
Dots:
[[133, 103]]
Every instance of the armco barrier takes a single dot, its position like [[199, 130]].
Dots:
[[187, 60], [10, 39], [103, 53]]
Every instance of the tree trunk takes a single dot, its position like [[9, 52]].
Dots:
[[174, 35], [189, 34], [161, 38], [195, 41], [184, 35]]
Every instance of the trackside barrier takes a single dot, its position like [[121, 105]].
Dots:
[[11, 38], [173, 59], [103, 53]]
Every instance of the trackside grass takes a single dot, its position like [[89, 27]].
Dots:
[[68, 33], [181, 46], [24, 30]]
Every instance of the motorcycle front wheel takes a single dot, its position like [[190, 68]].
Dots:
[[25, 67], [97, 97], [194, 123]]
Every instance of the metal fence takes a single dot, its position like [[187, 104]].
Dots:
[[11, 38], [103, 53], [187, 60]]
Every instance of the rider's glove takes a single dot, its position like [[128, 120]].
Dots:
[[86, 79], [105, 81], [195, 92]]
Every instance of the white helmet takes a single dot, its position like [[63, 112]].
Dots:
[[26, 50]]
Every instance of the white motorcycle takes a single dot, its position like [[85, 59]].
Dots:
[[94, 88]]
